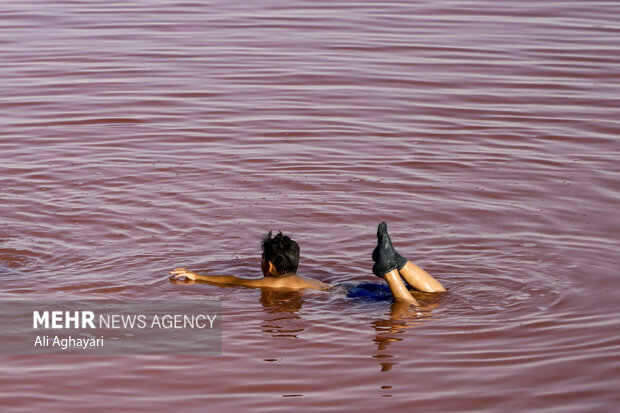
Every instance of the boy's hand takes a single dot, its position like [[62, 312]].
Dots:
[[177, 273]]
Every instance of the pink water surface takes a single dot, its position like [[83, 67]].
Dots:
[[140, 136]]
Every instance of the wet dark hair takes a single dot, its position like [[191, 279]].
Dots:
[[282, 251]]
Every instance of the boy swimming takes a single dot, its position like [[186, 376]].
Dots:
[[280, 259]]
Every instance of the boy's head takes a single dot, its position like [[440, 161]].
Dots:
[[282, 252]]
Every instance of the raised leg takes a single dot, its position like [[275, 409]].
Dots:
[[420, 279], [399, 290]]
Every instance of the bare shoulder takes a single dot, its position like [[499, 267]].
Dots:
[[314, 284], [296, 282]]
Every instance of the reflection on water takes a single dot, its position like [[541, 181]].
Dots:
[[283, 319], [401, 318], [281, 309]]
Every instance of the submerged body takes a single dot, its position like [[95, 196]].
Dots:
[[281, 257]]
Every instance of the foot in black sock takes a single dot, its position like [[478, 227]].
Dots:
[[384, 255]]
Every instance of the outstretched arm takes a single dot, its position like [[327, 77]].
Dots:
[[218, 279]]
